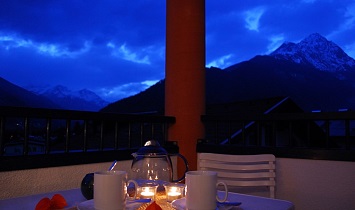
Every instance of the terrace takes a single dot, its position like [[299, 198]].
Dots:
[[308, 174], [53, 149]]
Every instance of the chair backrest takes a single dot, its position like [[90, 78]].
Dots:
[[241, 170]]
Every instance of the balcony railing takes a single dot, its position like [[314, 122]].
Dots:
[[37, 138], [31, 138], [296, 135], [301, 142]]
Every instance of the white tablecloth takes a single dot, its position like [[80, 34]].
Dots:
[[74, 197], [250, 202]]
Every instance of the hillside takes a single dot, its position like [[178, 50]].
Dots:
[[13, 95]]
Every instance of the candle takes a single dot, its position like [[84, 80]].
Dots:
[[173, 191], [173, 194], [147, 193], [148, 190]]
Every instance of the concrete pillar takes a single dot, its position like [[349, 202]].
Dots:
[[185, 75]]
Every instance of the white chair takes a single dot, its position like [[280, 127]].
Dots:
[[241, 170]]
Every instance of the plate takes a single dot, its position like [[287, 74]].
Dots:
[[180, 204]]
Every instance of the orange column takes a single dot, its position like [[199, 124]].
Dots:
[[185, 75]]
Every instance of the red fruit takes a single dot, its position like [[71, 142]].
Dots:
[[43, 204], [58, 202]]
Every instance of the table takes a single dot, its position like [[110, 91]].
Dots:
[[74, 197], [250, 202]]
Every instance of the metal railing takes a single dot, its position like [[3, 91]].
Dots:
[[320, 135], [31, 134], [33, 138]]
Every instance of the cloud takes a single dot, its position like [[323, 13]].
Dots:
[[57, 50], [349, 18], [91, 67], [350, 49], [115, 93], [11, 42], [126, 54], [117, 44], [65, 42], [221, 62], [252, 18], [275, 42], [342, 34]]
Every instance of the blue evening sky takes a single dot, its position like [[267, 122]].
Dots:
[[116, 48]]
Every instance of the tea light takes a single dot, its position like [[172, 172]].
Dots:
[[148, 190], [173, 191]]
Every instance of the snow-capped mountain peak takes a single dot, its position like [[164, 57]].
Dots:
[[58, 91], [87, 95], [75, 100], [317, 51]]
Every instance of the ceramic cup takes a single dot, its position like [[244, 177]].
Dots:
[[110, 191], [201, 190]]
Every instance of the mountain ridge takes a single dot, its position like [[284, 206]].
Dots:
[[20, 97], [292, 70], [332, 58], [56, 97], [297, 75], [83, 99]]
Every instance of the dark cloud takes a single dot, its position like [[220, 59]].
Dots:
[[248, 28], [66, 42], [75, 21], [117, 47]]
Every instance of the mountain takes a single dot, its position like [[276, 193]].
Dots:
[[13, 95], [318, 52], [84, 99], [315, 73], [309, 87], [149, 101]]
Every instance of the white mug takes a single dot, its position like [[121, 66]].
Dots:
[[110, 190], [201, 190]]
